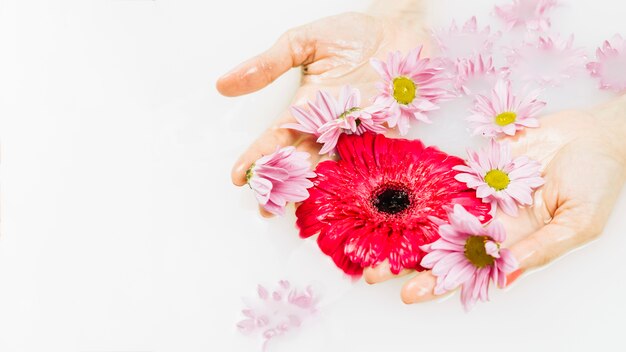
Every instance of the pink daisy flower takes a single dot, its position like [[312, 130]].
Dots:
[[503, 113], [477, 74], [499, 179], [547, 60], [375, 202], [327, 118], [530, 13], [469, 255], [610, 66], [461, 43], [274, 313], [409, 88], [280, 177]]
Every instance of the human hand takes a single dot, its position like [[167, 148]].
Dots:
[[332, 52], [583, 154]]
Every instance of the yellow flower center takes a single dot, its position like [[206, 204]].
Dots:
[[497, 179], [476, 253], [404, 90], [348, 112], [249, 173], [506, 118]]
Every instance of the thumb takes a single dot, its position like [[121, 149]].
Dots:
[[292, 49], [550, 242]]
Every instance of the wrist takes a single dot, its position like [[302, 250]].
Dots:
[[408, 10]]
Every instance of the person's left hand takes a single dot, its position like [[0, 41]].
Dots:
[[583, 155]]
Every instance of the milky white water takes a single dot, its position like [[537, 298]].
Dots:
[[121, 231]]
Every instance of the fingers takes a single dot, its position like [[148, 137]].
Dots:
[[547, 244], [264, 213], [382, 272], [292, 49], [272, 138], [419, 288], [267, 143]]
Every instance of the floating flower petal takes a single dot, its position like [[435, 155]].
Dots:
[[376, 203], [274, 313], [463, 43], [546, 60], [533, 14], [327, 118], [410, 87], [280, 177], [503, 113], [477, 74], [610, 66], [469, 255], [499, 179]]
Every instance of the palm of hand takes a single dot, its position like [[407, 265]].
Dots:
[[583, 174], [333, 52]]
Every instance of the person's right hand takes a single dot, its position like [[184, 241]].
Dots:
[[332, 52]]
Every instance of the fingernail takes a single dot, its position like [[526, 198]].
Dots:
[[513, 276]]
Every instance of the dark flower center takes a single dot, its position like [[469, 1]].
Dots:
[[391, 200]]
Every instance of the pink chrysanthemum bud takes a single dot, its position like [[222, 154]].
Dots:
[[280, 177]]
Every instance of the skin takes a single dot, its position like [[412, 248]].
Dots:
[[583, 153], [331, 52]]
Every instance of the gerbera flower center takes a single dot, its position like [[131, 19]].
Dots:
[[391, 200], [506, 118], [476, 252], [404, 90], [497, 179]]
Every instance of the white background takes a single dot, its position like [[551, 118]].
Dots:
[[121, 230]]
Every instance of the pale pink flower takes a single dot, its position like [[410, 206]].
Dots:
[[499, 179], [530, 13], [410, 87], [327, 118], [503, 113], [462, 43], [477, 74], [280, 177], [469, 255], [610, 66], [546, 60], [274, 313]]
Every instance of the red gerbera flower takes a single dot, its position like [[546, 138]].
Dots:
[[378, 200]]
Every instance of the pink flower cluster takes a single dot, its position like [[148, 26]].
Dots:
[[274, 313], [415, 207]]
